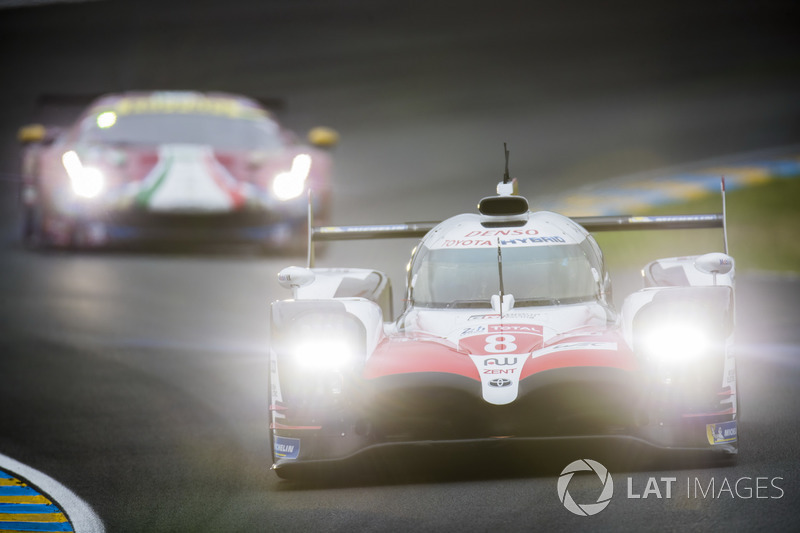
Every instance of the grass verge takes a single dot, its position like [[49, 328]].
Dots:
[[763, 226]]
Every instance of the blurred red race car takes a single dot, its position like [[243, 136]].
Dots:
[[172, 166]]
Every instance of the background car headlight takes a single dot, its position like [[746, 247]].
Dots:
[[324, 354], [676, 342], [86, 182], [288, 185]]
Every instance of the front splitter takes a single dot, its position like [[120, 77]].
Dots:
[[535, 455]]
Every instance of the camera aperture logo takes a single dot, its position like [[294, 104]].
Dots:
[[585, 509]]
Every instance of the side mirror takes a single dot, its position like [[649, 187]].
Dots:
[[294, 277], [323, 137], [714, 263], [32, 133]]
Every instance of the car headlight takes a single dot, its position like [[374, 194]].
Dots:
[[325, 354], [676, 342], [86, 182], [288, 185]]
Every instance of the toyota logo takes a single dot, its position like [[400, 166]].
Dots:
[[500, 382]]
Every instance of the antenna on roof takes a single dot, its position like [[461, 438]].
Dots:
[[500, 271], [507, 187], [506, 177], [724, 216]]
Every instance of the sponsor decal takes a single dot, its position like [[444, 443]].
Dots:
[[586, 509], [533, 240], [573, 346], [467, 332], [507, 316], [478, 243], [721, 433], [525, 328], [500, 371], [501, 233], [672, 218], [465, 243], [286, 448], [184, 103], [359, 229], [500, 382], [505, 361]]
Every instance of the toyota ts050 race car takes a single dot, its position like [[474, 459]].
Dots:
[[171, 165], [508, 332]]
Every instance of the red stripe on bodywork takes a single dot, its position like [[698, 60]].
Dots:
[[409, 355], [579, 358], [621, 357], [231, 187], [139, 164], [405, 356]]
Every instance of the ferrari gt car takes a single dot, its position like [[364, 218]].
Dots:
[[508, 332], [171, 166]]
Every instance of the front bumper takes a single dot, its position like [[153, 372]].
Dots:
[[240, 226], [580, 406], [109, 228]]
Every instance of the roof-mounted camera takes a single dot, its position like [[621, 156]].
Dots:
[[507, 203]]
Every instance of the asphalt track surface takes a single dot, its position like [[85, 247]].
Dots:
[[138, 380]]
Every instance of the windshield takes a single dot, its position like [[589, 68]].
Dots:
[[221, 132], [534, 275]]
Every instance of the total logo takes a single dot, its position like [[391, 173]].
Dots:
[[585, 509]]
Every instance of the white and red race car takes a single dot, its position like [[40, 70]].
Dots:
[[171, 166], [508, 332]]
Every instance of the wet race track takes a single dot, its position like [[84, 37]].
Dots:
[[138, 379]]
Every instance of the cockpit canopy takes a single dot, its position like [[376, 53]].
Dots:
[[545, 275], [553, 271]]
